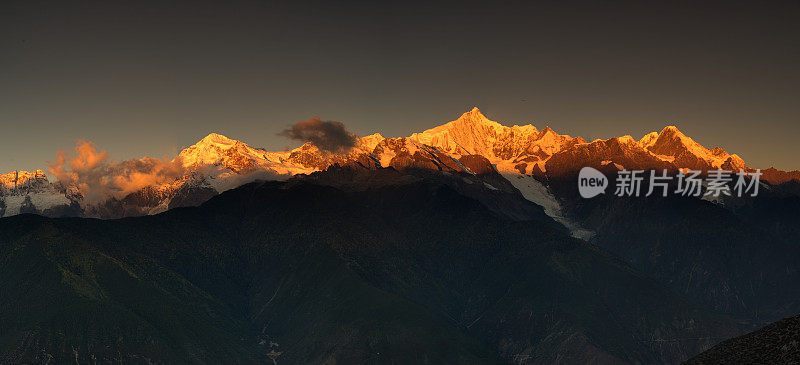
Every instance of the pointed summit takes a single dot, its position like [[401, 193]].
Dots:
[[673, 146], [471, 133], [514, 148], [216, 149], [474, 116], [475, 111], [671, 142], [548, 130], [671, 130], [215, 138]]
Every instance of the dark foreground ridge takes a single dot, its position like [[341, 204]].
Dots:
[[777, 343], [304, 273]]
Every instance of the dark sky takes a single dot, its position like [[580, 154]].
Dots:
[[146, 78]]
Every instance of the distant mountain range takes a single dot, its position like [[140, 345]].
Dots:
[[217, 163], [465, 243]]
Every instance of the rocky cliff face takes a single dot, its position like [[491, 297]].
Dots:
[[31, 192], [19, 181]]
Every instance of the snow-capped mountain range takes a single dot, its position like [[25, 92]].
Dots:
[[471, 145], [29, 192]]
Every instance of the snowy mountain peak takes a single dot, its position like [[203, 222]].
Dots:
[[16, 179], [515, 148], [672, 133], [216, 149], [369, 142], [474, 117], [24, 191], [215, 138], [626, 139], [474, 112], [673, 146], [648, 139], [216, 163], [471, 133]]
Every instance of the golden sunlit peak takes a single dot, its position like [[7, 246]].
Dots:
[[216, 138], [475, 111], [473, 115], [671, 129]]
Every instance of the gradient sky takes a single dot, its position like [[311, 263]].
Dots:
[[147, 78]]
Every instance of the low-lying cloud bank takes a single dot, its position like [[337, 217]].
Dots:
[[98, 178]]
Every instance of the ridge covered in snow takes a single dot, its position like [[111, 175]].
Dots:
[[20, 179], [471, 144], [510, 148], [673, 146], [236, 156], [24, 192]]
